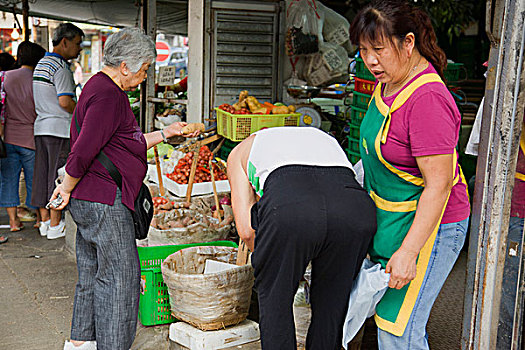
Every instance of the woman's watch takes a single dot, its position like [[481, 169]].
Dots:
[[163, 136]]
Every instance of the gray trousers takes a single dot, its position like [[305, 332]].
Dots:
[[107, 292]]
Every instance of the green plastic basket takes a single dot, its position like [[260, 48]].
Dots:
[[360, 100], [353, 157], [354, 131], [237, 127], [226, 148], [361, 71], [154, 304], [357, 115]]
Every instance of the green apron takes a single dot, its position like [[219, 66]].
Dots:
[[396, 194]]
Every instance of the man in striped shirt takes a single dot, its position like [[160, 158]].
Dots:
[[54, 94]]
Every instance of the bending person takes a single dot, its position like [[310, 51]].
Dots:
[[408, 139], [107, 292], [312, 209]]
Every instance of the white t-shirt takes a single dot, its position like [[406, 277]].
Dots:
[[276, 147], [52, 78]]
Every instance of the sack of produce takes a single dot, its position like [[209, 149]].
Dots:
[[207, 301]]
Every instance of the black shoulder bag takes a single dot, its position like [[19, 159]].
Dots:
[[143, 204]]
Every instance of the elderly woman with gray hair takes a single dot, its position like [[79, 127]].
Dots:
[[107, 293]]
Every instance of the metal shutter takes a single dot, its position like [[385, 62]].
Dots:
[[244, 51]]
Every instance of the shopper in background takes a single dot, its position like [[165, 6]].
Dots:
[[408, 140], [7, 62], [55, 100], [311, 208], [107, 293], [18, 131], [78, 76]]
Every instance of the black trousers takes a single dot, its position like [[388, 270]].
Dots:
[[317, 214]]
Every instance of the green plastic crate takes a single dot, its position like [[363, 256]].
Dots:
[[353, 144], [361, 71], [353, 157], [354, 131], [453, 72], [357, 115], [226, 148], [360, 100], [154, 304]]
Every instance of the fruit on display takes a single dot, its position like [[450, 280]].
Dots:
[[250, 105], [181, 173]]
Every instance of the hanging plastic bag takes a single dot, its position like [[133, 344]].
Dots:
[[303, 29], [336, 28], [331, 62], [369, 287]]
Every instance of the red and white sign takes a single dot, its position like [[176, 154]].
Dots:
[[163, 51]]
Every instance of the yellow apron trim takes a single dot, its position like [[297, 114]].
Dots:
[[401, 98], [521, 176], [409, 90], [398, 328], [398, 207], [402, 174]]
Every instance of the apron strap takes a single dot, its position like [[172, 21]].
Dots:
[[402, 97]]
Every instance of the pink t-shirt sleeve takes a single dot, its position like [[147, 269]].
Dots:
[[433, 125]]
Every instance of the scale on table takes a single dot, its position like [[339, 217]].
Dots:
[[309, 115]]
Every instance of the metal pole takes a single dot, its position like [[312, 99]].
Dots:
[[501, 126], [25, 21], [147, 88]]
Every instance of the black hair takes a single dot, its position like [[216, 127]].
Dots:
[[394, 19], [7, 62], [29, 53], [67, 31]]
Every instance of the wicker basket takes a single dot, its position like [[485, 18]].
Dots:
[[207, 301]]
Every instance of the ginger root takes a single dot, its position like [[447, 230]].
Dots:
[[188, 129]]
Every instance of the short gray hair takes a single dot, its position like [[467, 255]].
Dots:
[[129, 45], [68, 31]]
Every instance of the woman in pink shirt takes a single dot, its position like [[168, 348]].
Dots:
[[18, 131], [408, 139]]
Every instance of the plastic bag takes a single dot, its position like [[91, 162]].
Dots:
[[331, 62], [336, 28], [369, 287], [302, 35]]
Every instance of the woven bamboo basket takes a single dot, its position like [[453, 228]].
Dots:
[[207, 301]]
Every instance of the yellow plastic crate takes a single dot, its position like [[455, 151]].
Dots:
[[237, 127]]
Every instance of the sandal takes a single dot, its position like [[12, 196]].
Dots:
[[27, 216], [18, 228], [3, 239]]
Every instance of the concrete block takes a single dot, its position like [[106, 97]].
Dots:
[[193, 338]]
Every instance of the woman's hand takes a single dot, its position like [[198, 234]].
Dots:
[[175, 129], [402, 268], [64, 194]]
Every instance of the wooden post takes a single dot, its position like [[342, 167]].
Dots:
[[159, 171], [193, 171]]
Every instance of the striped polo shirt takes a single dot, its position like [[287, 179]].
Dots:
[[52, 78]]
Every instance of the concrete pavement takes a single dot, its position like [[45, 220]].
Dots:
[[38, 278]]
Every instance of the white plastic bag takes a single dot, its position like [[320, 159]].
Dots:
[[369, 287], [303, 28]]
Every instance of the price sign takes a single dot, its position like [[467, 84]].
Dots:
[[332, 59], [166, 75], [339, 35], [320, 76]]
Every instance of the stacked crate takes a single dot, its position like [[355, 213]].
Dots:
[[363, 88]]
